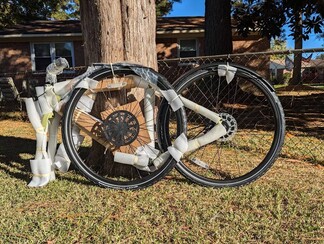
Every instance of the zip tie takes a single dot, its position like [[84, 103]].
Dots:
[[112, 69]]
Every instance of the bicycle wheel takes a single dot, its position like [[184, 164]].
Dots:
[[109, 130], [253, 118]]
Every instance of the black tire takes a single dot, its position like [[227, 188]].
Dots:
[[102, 169], [252, 115]]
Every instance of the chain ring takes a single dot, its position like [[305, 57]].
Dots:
[[121, 128]]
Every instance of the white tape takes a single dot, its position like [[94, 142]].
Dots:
[[180, 146], [228, 71], [173, 99]]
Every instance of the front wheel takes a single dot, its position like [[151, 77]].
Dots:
[[109, 131], [253, 118]]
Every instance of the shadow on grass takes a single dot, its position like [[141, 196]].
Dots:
[[12, 162]]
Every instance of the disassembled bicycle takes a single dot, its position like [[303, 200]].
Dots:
[[124, 126]]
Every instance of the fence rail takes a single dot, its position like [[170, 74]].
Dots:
[[303, 103]]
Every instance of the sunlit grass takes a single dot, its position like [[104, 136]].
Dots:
[[284, 206]]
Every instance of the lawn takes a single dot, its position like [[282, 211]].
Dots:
[[285, 205]]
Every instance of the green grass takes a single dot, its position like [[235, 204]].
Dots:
[[284, 206]]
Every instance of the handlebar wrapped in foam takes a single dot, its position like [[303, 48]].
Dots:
[[57, 66]]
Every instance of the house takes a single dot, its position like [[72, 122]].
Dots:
[[313, 71], [30, 47], [277, 70]]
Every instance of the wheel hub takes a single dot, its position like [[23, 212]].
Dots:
[[121, 128]]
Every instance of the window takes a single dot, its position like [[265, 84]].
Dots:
[[188, 48], [44, 53]]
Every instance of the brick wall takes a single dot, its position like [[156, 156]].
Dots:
[[15, 57]]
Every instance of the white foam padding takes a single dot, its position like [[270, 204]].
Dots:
[[63, 88], [131, 159], [41, 169], [215, 133], [200, 110], [150, 151], [159, 161], [44, 106], [173, 99], [34, 119], [139, 81], [149, 102], [61, 160], [87, 83], [179, 147]]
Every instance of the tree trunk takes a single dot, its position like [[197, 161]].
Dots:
[[119, 30], [114, 31], [296, 79], [218, 30]]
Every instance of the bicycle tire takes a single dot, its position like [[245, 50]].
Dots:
[[252, 115], [82, 155]]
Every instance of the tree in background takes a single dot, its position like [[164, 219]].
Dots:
[[18, 11], [164, 7], [218, 30], [269, 17], [278, 44], [67, 9]]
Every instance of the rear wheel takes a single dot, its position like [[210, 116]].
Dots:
[[109, 131], [252, 116]]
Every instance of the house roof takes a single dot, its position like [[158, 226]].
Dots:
[[318, 63], [73, 27], [43, 27], [180, 25]]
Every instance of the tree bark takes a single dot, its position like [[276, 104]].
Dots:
[[119, 30], [115, 31], [218, 30]]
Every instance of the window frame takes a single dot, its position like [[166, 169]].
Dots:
[[186, 39], [52, 52]]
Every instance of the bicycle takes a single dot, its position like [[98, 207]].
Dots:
[[129, 115]]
